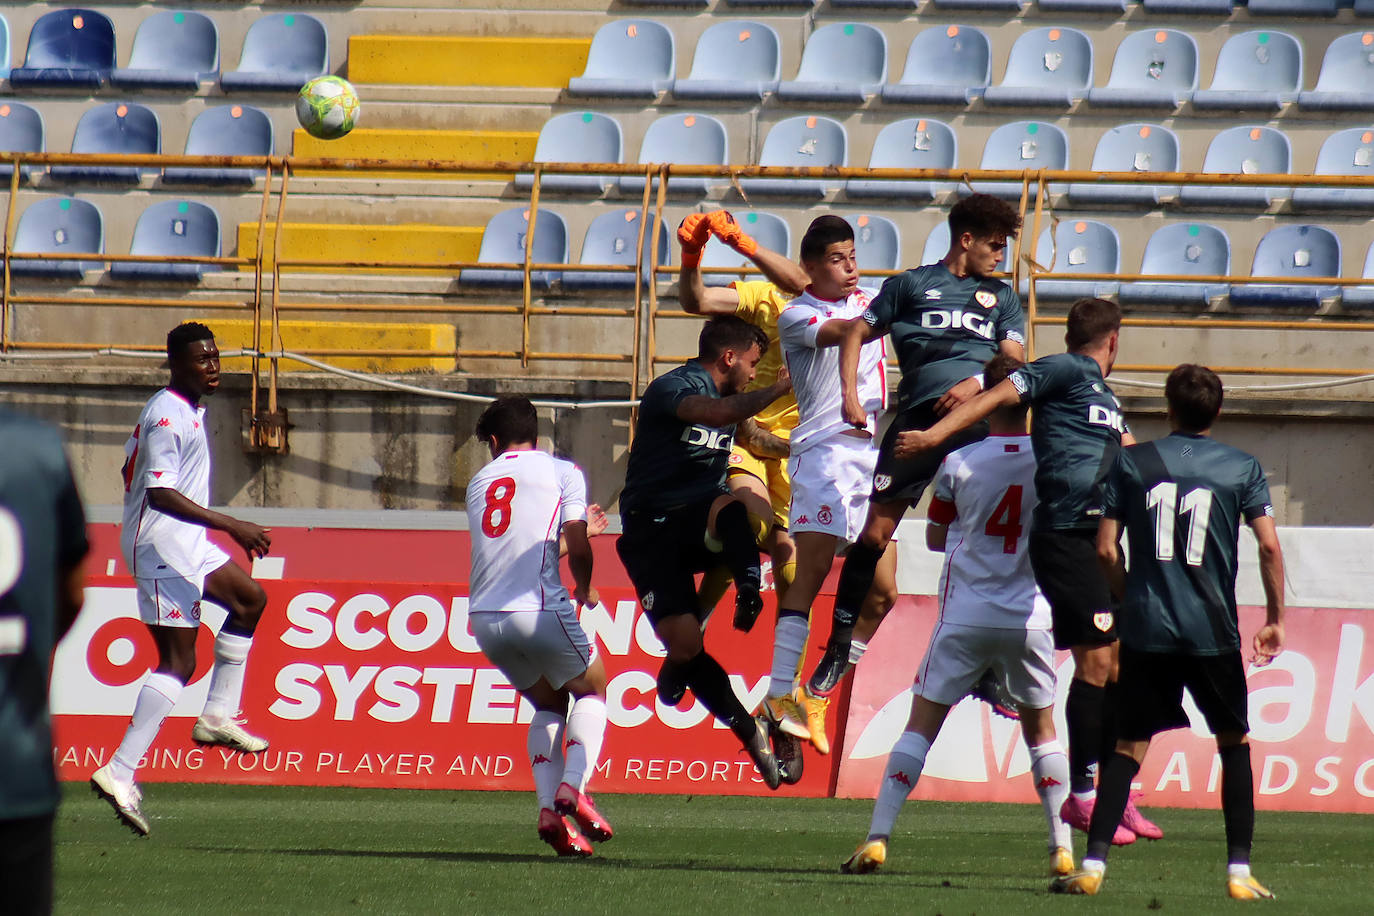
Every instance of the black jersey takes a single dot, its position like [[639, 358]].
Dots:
[[673, 463]]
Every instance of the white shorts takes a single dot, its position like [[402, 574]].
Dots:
[[528, 645], [176, 602], [831, 481], [958, 655]]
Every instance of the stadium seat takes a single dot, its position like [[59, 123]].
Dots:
[[1183, 249], [678, 3], [1256, 71], [877, 244], [181, 228], [1346, 81], [1364, 7], [59, 225], [733, 61], [1346, 152], [1292, 251], [225, 130], [876, 4], [611, 239], [1156, 68], [768, 229], [115, 127], [806, 140], [578, 136], [1082, 6], [4, 48], [1081, 246], [1361, 296], [682, 139], [630, 59], [776, 4], [1047, 67], [1189, 7], [172, 50], [71, 48], [503, 242], [913, 143], [21, 131], [989, 6], [946, 65], [842, 62], [1130, 148], [1022, 146], [281, 53], [1244, 151], [937, 246], [1325, 8]]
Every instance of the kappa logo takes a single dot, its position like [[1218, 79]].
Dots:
[[538, 759], [824, 516], [882, 481], [901, 777], [572, 741], [934, 294], [1047, 782], [174, 614], [164, 422], [1103, 620], [647, 601], [986, 298], [803, 520]]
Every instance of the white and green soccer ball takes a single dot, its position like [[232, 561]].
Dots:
[[328, 107]]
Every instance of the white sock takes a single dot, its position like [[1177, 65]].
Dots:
[[789, 642], [857, 648], [904, 766], [1050, 770], [1088, 796], [545, 746], [1096, 866], [586, 731], [226, 677], [156, 698], [1238, 871]]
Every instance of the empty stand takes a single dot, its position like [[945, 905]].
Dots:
[[992, 6], [912, 143], [1082, 246], [1181, 249], [629, 58], [71, 48], [172, 50], [1346, 152], [1346, 80], [1361, 296], [1021, 146], [611, 239], [734, 60], [281, 52], [1326, 8], [1189, 7], [1083, 6], [1048, 67], [1256, 71], [21, 131], [115, 127], [946, 65], [58, 225], [1156, 68], [803, 141], [768, 229], [225, 130], [682, 139], [503, 242], [776, 4], [1292, 251], [1243, 151], [842, 62], [1130, 148], [179, 228], [937, 246], [877, 244], [577, 136]]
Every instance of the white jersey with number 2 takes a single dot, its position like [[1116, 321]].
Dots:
[[517, 505]]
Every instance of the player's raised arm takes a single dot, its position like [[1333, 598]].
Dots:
[[914, 441], [784, 273], [695, 297], [733, 408], [1269, 640], [254, 539]]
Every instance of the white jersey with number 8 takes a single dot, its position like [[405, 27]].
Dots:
[[517, 505]]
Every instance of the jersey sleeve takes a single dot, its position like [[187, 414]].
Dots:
[[753, 296], [572, 505], [161, 449], [798, 327], [1011, 320], [1255, 499], [942, 509], [882, 311], [1038, 381], [1111, 491], [665, 393]]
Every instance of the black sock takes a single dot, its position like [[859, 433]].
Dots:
[[1106, 747], [856, 578], [1237, 802], [741, 551], [1084, 714], [1113, 791], [711, 685]]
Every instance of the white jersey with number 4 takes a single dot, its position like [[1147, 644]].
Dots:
[[985, 492], [517, 505]]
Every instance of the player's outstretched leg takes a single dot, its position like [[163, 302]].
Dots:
[[903, 769], [586, 730], [1112, 792], [1238, 809], [245, 600], [1050, 770], [780, 705], [739, 548], [544, 745]]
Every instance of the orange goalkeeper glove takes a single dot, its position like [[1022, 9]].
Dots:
[[724, 227], [692, 235]]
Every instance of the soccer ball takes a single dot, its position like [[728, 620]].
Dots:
[[328, 107]]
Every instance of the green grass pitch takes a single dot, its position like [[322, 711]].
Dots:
[[238, 849]]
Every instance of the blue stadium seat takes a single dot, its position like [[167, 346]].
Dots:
[[1130, 148], [611, 239], [115, 127], [179, 228], [503, 242], [768, 229], [1325, 8], [682, 139], [1346, 81], [733, 61], [1082, 6], [281, 53], [1346, 152], [59, 225], [877, 244], [842, 62], [806, 140], [1155, 68], [1292, 251], [172, 50], [1361, 296], [1259, 70], [4, 48], [21, 131], [1182, 249], [1364, 7], [937, 246], [677, 3], [1243, 151], [946, 65], [1022, 146], [225, 130], [1047, 67], [912, 143], [777, 4], [876, 4], [629, 58], [577, 136], [71, 48], [1189, 7], [986, 6], [1081, 246]]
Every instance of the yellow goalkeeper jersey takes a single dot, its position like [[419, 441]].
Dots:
[[760, 303]]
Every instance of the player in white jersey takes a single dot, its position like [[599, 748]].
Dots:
[[831, 462], [175, 566], [520, 507], [991, 615]]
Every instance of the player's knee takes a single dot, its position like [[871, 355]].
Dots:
[[249, 607], [180, 666]]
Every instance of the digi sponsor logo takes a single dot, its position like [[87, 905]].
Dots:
[[941, 319], [707, 437], [1105, 416]]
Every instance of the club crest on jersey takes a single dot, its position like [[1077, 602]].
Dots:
[[882, 481], [195, 611], [824, 516], [985, 297], [736, 458], [647, 601], [1103, 620]]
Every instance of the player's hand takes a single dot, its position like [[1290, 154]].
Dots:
[[1268, 643], [853, 412], [784, 382], [588, 597], [254, 539], [597, 522], [724, 227], [694, 232], [912, 442], [963, 391]]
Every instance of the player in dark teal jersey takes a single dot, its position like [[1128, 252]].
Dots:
[[946, 320], [42, 544], [1181, 500], [676, 508]]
